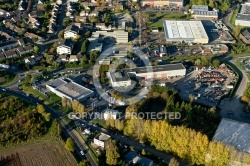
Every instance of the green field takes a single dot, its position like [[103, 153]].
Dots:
[[232, 21], [157, 19]]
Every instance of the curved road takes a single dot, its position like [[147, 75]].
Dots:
[[234, 104]]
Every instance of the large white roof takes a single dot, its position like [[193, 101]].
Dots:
[[184, 30], [234, 133]]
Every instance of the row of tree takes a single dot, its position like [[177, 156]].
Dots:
[[186, 143], [193, 115]]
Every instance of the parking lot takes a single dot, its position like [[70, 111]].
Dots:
[[207, 85], [157, 38]]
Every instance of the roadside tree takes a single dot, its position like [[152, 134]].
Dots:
[[70, 145]]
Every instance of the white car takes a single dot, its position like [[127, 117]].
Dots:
[[3, 89], [82, 153]]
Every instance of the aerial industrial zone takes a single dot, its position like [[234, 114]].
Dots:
[[124, 82]]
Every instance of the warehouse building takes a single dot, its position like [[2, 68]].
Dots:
[[243, 17], [158, 72], [123, 78], [185, 31], [69, 89], [161, 3], [233, 133]]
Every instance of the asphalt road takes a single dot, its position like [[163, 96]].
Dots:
[[234, 104], [81, 146]]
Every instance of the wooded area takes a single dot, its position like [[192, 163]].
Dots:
[[193, 116], [20, 121]]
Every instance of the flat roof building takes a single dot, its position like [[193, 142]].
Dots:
[[120, 35], [119, 78], [158, 72], [243, 17], [100, 139], [234, 133], [69, 89], [185, 31]]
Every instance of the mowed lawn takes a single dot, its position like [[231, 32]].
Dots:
[[45, 153]]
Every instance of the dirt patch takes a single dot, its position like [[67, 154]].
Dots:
[[2, 79], [48, 152]]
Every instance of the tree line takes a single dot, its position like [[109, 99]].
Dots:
[[184, 142]]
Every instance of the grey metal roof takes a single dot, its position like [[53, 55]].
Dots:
[[119, 76], [234, 133], [245, 17], [158, 68]]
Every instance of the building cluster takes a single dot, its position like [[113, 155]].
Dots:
[[243, 17], [201, 12], [123, 78], [53, 19], [14, 48]]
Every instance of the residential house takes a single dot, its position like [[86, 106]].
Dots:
[[75, 1], [65, 47], [84, 13], [82, 19], [29, 61], [100, 139], [14, 28], [87, 5], [22, 5], [71, 31], [40, 2], [4, 13], [16, 19], [36, 14], [62, 58], [24, 50], [133, 158], [33, 22], [32, 35], [8, 37], [28, 48], [10, 44], [37, 57], [73, 58], [94, 14], [20, 51], [10, 54], [102, 26]]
